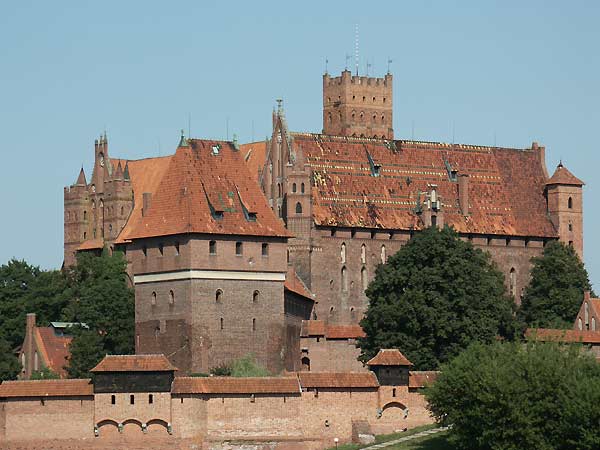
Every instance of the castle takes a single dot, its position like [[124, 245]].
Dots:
[[268, 247]]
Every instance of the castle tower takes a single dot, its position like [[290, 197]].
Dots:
[[564, 194], [357, 106]]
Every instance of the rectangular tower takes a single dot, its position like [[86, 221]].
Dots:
[[357, 106]]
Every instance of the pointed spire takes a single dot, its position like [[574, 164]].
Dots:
[[119, 172], [183, 142], [126, 172], [81, 178]]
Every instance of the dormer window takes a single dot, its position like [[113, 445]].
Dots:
[[216, 149]]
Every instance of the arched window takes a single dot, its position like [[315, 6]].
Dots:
[[279, 189], [512, 282], [343, 253], [294, 187], [593, 324], [382, 120], [363, 254], [219, 296], [363, 278], [253, 324], [305, 364], [383, 255], [171, 298], [85, 215], [302, 188], [239, 249], [570, 203], [122, 210], [344, 279], [153, 299], [222, 324], [255, 296], [298, 208], [586, 314], [93, 204], [329, 117], [579, 324], [36, 361]]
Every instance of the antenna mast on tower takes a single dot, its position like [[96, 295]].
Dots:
[[356, 48]]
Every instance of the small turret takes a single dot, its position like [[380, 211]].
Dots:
[[564, 194], [81, 178]]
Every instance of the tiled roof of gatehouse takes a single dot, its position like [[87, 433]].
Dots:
[[389, 357], [46, 388], [134, 363]]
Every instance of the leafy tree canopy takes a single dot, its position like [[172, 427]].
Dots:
[[9, 364], [511, 396], [87, 349], [102, 299], [44, 374], [246, 366], [433, 298], [555, 293]]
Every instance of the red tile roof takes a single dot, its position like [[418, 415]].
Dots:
[[46, 388], [294, 284], [199, 187], [54, 350], [389, 357], [338, 380], [232, 385], [255, 156], [145, 176], [506, 186], [320, 328], [134, 363], [92, 244], [562, 175], [417, 379], [570, 336]]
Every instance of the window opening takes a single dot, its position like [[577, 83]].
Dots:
[[265, 249], [212, 247], [238, 249]]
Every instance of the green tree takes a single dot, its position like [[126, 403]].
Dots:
[[433, 298], [511, 396], [25, 288], [9, 363], [87, 349], [102, 299], [247, 366], [44, 374], [555, 292]]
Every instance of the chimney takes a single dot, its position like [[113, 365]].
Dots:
[[146, 202], [463, 193], [29, 347]]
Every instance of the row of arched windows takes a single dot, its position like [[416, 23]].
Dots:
[[219, 296], [295, 188], [153, 298], [364, 279], [222, 324], [589, 325], [363, 254]]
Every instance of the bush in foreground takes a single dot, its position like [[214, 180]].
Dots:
[[510, 396]]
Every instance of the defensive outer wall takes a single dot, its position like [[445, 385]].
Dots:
[[132, 409]]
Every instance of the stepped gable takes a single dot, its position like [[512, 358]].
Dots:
[[54, 349], [506, 186], [563, 176], [389, 357], [555, 335], [336, 380], [145, 176], [208, 189], [420, 379], [134, 363], [232, 385], [46, 388]]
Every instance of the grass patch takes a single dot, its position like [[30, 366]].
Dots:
[[387, 437], [437, 441]]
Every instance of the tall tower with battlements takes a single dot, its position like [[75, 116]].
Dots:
[[357, 106]]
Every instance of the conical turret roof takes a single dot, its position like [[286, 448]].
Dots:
[[562, 175]]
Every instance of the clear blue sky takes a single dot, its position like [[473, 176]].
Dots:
[[509, 72]]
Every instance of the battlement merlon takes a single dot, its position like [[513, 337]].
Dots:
[[349, 79]]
